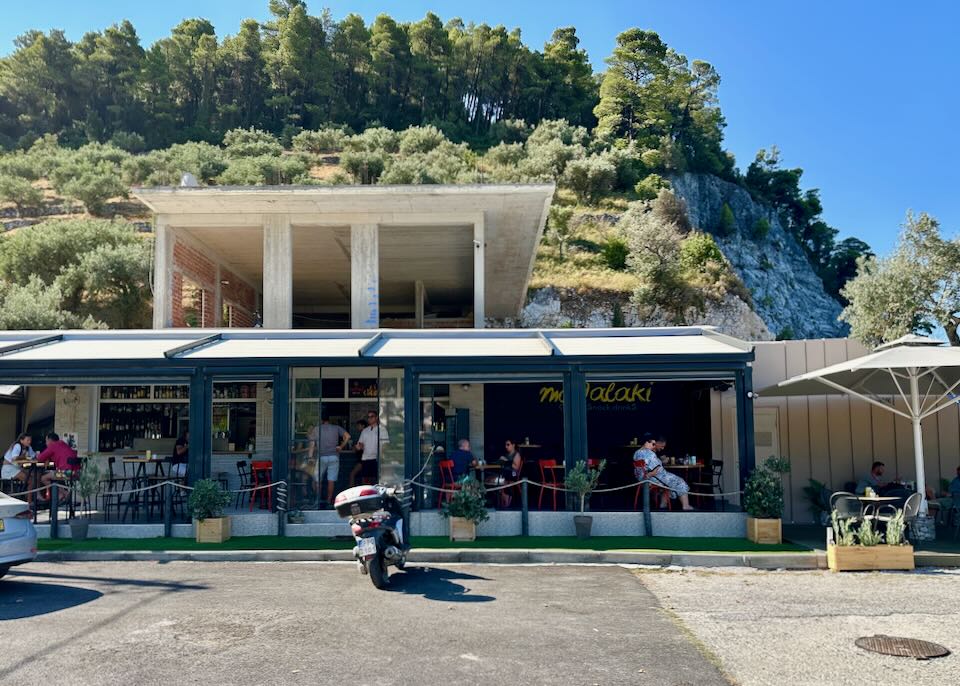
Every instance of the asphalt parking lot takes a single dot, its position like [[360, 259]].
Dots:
[[322, 623]]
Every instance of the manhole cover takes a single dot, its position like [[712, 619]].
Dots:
[[902, 647]]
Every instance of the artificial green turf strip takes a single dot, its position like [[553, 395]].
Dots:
[[624, 543]]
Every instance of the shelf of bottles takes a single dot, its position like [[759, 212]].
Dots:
[[240, 392], [119, 394], [121, 423], [142, 411]]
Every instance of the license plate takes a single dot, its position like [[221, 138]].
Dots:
[[367, 546]]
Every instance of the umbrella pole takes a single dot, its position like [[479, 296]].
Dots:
[[918, 439]]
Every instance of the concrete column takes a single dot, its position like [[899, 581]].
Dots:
[[364, 276], [479, 262], [277, 272], [162, 273]]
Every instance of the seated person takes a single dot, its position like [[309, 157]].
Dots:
[[62, 456], [953, 490], [510, 466], [181, 455], [875, 481], [19, 450], [652, 469], [463, 459]]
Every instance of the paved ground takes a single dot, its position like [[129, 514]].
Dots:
[[798, 628], [289, 623]]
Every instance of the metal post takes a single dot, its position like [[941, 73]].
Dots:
[[168, 510], [918, 439], [54, 513], [525, 511], [282, 508], [647, 519]]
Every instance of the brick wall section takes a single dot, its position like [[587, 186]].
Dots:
[[240, 296], [191, 263]]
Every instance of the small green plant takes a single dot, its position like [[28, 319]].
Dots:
[[818, 498], [617, 319], [843, 531], [896, 528], [207, 500], [582, 480], [760, 229], [727, 223], [869, 536], [763, 494], [469, 502], [88, 480], [786, 334], [615, 253]]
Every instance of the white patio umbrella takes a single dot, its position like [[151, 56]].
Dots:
[[921, 371]]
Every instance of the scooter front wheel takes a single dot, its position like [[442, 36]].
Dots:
[[377, 567]]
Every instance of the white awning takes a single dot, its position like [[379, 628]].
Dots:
[[252, 344]]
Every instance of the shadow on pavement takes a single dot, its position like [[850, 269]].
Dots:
[[435, 583], [20, 599], [116, 581]]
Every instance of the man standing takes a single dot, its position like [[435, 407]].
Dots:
[[372, 440], [327, 439]]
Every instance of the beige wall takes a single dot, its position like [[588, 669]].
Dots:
[[835, 439]]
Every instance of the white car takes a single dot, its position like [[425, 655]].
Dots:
[[18, 538]]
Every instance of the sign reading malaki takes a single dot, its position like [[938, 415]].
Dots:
[[604, 393]]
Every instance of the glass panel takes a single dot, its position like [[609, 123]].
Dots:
[[621, 411], [241, 431], [392, 419]]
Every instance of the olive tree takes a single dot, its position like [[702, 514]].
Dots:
[[914, 290]]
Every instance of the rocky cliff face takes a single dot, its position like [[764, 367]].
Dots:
[[787, 294]]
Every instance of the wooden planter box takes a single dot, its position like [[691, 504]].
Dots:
[[216, 530], [855, 558], [462, 529], [764, 530]]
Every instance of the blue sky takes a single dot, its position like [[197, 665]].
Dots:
[[859, 94]]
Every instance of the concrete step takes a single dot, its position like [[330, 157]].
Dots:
[[318, 529], [321, 517]]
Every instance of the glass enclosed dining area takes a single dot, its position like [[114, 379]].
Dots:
[[313, 412]]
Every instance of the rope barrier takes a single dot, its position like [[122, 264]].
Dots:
[[552, 487]]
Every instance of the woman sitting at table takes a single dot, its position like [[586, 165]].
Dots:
[[19, 450], [510, 466], [646, 465]]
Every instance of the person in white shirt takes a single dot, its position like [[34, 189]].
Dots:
[[371, 442], [19, 450]]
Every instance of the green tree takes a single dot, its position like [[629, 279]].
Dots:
[[20, 192], [590, 178], [558, 226], [33, 305], [92, 183], [98, 271], [914, 290], [727, 223]]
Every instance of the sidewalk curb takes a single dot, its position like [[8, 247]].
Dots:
[[811, 560]]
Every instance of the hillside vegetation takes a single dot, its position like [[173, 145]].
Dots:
[[305, 99]]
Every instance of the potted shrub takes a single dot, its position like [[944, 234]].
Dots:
[[818, 497], [85, 486], [863, 547], [763, 501], [466, 509], [205, 504], [582, 480]]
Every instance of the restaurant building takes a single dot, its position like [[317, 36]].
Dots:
[[274, 306]]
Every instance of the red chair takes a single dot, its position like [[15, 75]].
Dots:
[[446, 481], [657, 492], [261, 472], [548, 477]]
